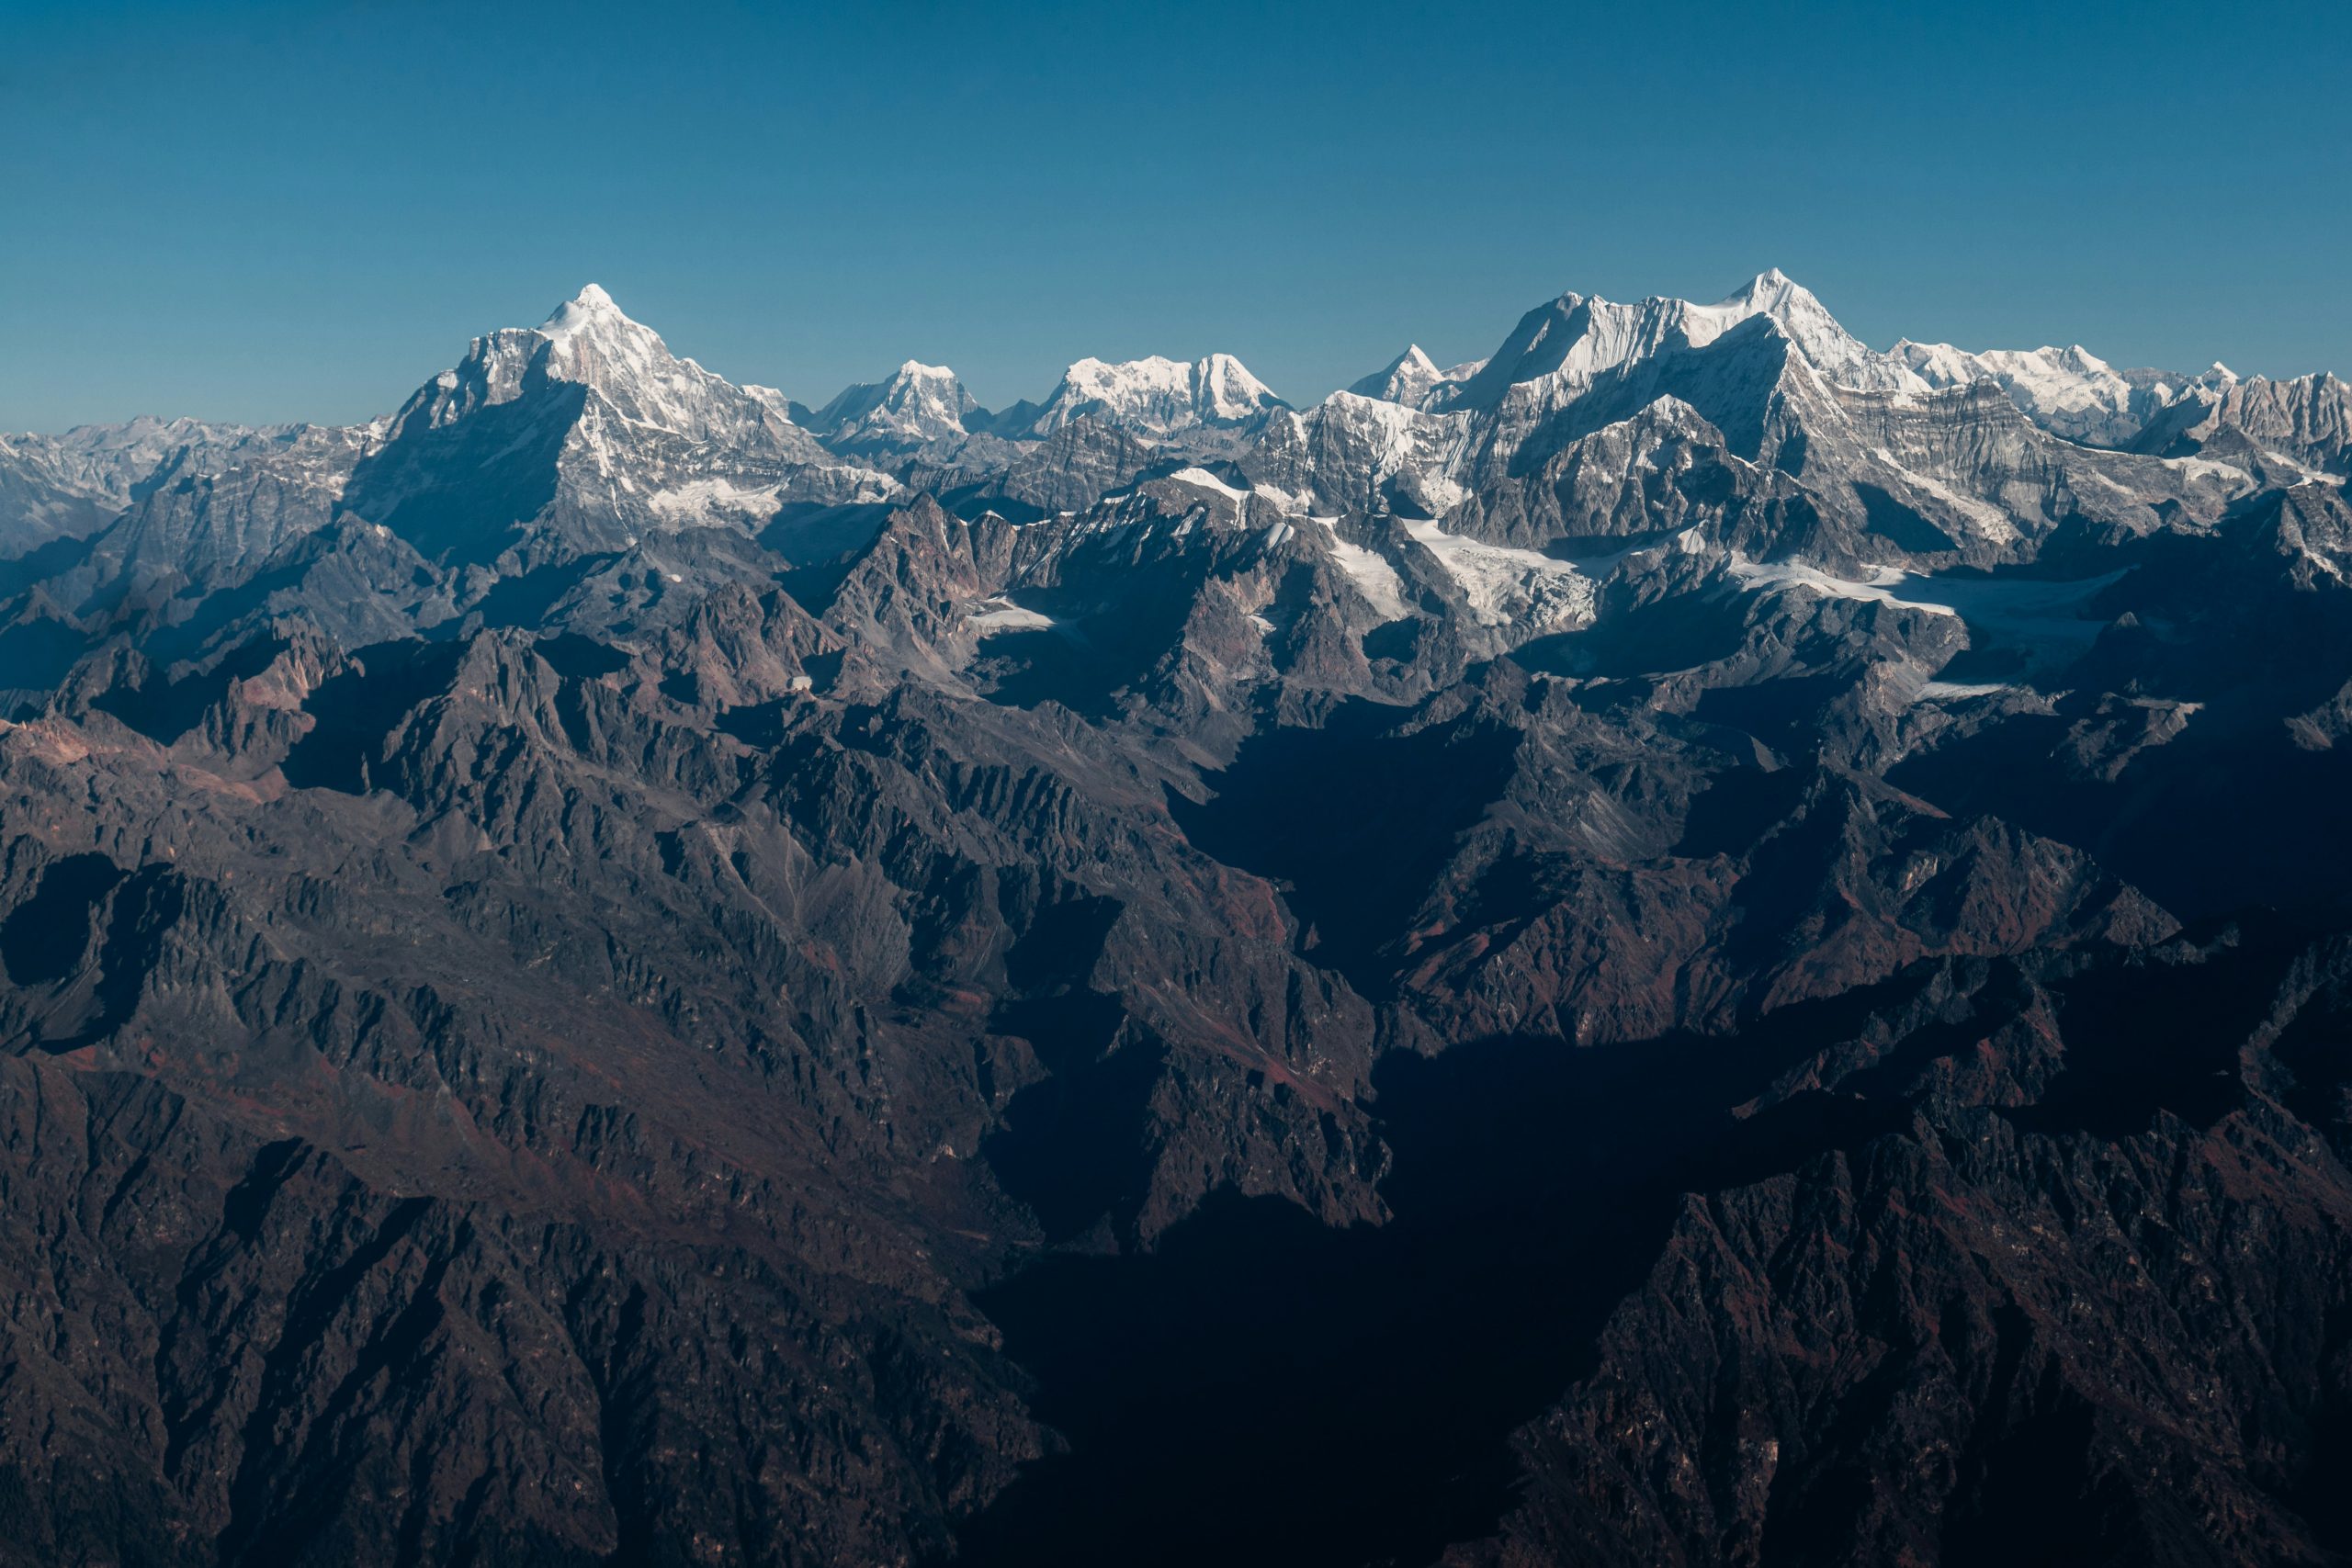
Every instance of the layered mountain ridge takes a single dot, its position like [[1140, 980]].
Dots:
[[1689, 942]]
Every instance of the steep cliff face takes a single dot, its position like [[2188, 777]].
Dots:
[[2041, 1303], [1693, 944]]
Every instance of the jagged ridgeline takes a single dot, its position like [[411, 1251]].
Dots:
[[1691, 943]]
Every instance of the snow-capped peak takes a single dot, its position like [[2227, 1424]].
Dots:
[[2068, 392], [1844, 358], [591, 341], [588, 341], [1099, 377], [1404, 380], [1580, 337], [1155, 396], [584, 312], [916, 405], [1227, 392], [1413, 379]]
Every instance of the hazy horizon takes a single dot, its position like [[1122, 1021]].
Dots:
[[264, 213]]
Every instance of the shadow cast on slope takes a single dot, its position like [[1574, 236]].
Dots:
[[35, 654], [166, 710], [1112, 635], [457, 493], [357, 711], [2224, 819], [44, 938], [821, 545], [1407, 796], [53, 557], [141, 908], [1265, 1390], [1073, 1146]]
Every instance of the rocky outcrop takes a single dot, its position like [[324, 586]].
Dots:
[[1693, 945]]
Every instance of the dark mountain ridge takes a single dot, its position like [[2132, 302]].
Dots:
[[1690, 944]]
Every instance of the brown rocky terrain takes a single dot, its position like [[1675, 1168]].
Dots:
[[1710, 956]]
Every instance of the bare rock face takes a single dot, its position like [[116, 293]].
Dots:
[[1691, 943]]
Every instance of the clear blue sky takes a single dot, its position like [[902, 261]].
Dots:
[[267, 212]]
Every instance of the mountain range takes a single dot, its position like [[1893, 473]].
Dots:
[[1689, 943]]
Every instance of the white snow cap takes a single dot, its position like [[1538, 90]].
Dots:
[[591, 341], [589, 307], [917, 403], [1578, 337], [1156, 395], [1414, 378]]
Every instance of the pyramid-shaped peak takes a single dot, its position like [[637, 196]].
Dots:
[[590, 302], [1224, 374], [589, 307], [589, 342], [1409, 379], [1771, 290]]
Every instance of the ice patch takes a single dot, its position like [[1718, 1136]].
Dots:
[[1004, 616], [1370, 571], [708, 502], [1877, 589], [1504, 585], [1991, 520], [2040, 617], [2207, 468], [1203, 479]]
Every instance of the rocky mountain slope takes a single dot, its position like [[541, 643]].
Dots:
[[1691, 943]]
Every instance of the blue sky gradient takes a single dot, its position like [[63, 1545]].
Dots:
[[271, 211]]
